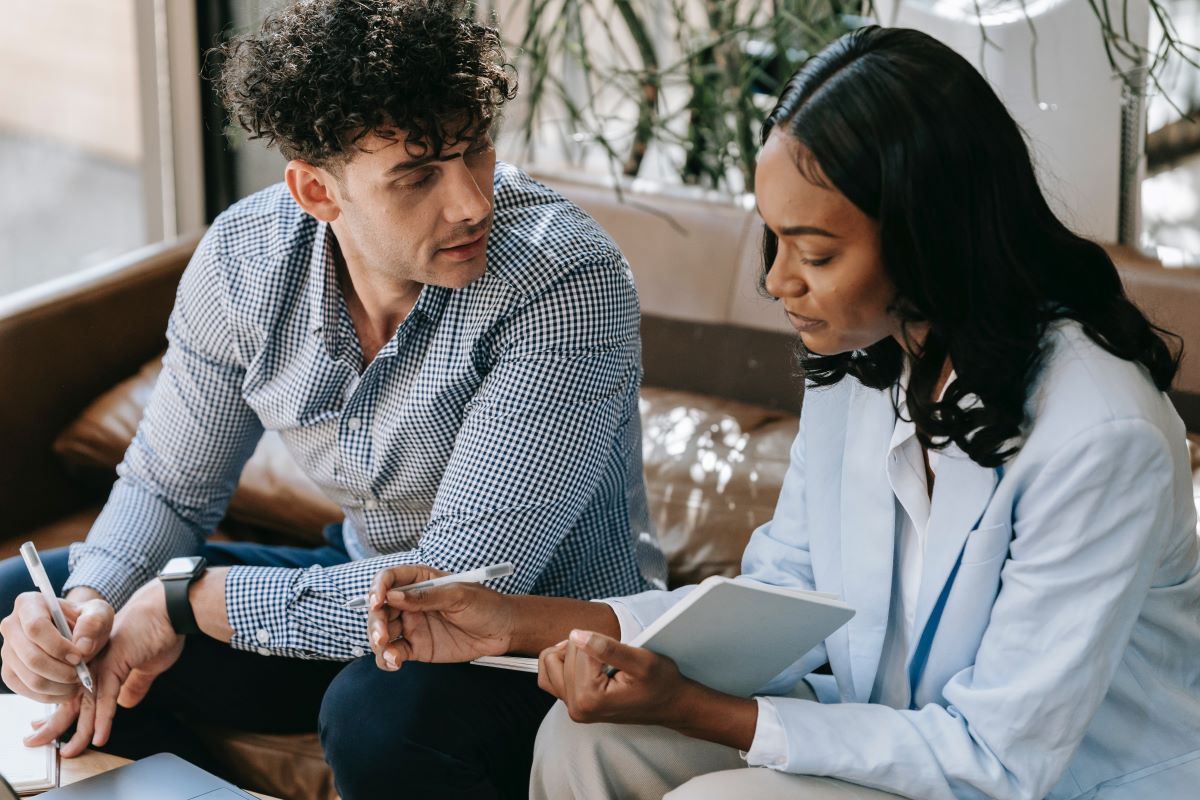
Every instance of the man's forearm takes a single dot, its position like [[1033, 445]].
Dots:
[[541, 622], [207, 596]]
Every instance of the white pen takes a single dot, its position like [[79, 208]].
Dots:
[[473, 576], [41, 580]]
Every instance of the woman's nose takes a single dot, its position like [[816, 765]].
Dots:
[[784, 282]]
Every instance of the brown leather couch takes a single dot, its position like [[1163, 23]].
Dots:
[[719, 408]]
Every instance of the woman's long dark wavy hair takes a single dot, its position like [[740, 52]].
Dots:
[[913, 135]]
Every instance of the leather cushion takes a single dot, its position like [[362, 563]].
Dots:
[[714, 468], [273, 493]]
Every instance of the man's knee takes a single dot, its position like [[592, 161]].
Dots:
[[383, 730]]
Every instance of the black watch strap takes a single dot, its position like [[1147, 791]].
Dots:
[[179, 607]]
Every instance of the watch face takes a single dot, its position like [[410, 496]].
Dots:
[[179, 567]]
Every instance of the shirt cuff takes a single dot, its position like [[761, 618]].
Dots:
[[769, 748], [630, 627], [297, 613]]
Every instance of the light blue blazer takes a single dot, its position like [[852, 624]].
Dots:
[[1057, 649]]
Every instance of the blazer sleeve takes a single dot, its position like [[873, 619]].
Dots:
[[1089, 529], [779, 554]]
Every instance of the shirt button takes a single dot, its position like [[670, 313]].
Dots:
[[371, 504], [354, 423], [262, 651], [263, 636], [357, 652]]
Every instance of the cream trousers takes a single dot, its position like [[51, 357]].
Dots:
[[637, 762]]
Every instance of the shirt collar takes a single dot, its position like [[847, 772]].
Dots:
[[905, 428], [324, 293]]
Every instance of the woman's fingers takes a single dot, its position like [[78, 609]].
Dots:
[[550, 670]]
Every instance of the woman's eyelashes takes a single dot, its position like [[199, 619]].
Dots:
[[815, 262]]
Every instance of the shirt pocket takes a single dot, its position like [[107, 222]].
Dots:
[[985, 544]]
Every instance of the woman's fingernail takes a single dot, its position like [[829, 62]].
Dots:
[[390, 659], [581, 638], [73, 658], [374, 599], [376, 637], [84, 645]]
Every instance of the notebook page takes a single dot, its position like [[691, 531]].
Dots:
[[26, 768], [518, 663]]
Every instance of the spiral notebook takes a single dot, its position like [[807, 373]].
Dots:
[[27, 769]]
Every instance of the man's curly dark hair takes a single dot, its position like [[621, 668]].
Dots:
[[322, 74]]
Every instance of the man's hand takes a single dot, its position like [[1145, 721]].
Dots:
[[38, 662], [452, 623], [143, 646]]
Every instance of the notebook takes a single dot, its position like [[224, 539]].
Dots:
[[732, 635], [28, 769]]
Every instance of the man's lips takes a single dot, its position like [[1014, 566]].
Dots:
[[467, 249]]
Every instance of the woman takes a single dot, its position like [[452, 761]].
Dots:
[[987, 469]]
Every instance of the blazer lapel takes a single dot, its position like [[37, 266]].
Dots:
[[868, 531], [961, 492]]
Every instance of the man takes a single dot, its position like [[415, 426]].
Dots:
[[450, 351]]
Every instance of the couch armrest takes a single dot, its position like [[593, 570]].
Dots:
[[62, 344]]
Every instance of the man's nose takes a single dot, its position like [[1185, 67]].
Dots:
[[464, 199]]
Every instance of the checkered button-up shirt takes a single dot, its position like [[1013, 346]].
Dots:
[[500, 423]]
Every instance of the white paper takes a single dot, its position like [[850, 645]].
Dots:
[[26, 768]]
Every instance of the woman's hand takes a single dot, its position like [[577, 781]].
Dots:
[[646, 689], [452, 623]]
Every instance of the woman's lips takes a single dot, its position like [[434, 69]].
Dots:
[[804, 324]]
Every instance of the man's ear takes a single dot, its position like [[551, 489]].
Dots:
[[313, 189]]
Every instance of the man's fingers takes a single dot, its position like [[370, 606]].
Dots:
[[41, 671], [134, 690], [22, 681], [53, 726], [37, 625], [84, 727], [14, 682], [93, 627], [108, 686]]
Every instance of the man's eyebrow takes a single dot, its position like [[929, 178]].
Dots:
[[414, 163], [803, 230]]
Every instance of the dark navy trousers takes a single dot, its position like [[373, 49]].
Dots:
[[433, 730]]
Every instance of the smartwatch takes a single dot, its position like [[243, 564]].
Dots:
[[177, 577]]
